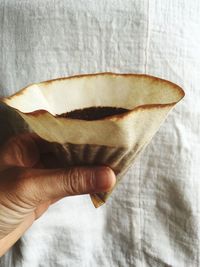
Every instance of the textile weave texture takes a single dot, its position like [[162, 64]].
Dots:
[[152, 218]]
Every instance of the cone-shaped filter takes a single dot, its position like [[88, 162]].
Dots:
[[130, 110]]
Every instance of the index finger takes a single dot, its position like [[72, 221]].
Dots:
[[21, 150]]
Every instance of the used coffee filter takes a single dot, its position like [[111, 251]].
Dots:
[[97, 119]]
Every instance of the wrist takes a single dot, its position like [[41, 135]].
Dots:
[[8, 241]]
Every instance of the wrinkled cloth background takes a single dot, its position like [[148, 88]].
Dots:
[[152, 219]]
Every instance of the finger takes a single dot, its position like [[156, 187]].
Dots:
[[52, 184], [20, 150]]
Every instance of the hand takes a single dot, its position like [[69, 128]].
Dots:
[[27, 190]]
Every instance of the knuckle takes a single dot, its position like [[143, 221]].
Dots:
[[63, 181], [75, 178], [22, 150], [15, 149], [18, 149], [77, 181]]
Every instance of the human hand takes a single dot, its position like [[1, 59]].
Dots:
[[27, 189]]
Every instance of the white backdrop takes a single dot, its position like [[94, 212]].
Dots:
[[153, 217]]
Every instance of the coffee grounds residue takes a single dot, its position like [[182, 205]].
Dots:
[[93, 113]]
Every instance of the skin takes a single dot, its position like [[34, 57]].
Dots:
[[28, 187]]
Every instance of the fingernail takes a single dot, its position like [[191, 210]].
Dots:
[[105, 179]]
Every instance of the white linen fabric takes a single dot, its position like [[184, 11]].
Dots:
[[152, 219]]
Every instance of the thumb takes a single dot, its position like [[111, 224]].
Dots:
[[58, 183]]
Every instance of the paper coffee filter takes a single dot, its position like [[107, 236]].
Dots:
[[114, 141]]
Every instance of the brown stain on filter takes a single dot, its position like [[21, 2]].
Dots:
[[146, 76]]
